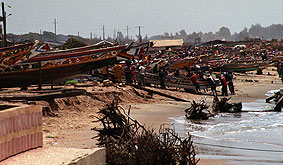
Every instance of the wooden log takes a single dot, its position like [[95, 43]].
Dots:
[[272, 97], [159, 93], [278, 105], [44, 97]]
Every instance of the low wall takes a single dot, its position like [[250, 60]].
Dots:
[[20, 129]]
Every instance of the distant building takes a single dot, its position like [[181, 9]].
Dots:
[[166, 44]]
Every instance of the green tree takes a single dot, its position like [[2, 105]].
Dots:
[[73, 43]]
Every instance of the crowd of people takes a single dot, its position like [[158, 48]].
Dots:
[[159, 62]]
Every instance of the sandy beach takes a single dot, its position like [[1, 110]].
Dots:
[[72, 126], [246, 91]]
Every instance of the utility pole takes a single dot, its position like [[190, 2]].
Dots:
[[103, 33], [78, 34], [139, 27], [127, 32], [55, 23], [40, 34], [114, 34], [4, 24], [118, 34]]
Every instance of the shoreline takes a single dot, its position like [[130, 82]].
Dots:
[[245, 92]]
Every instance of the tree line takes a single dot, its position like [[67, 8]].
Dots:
[[274, 31]]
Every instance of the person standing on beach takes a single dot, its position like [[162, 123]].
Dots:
[[194, 79], [118, 72], [128, 72], [104, 72], [141, 75], [278, 65], [133, 74], [281, 72], [162, 75], [212, 85], [155, 68], [229, 79], [224, 86]]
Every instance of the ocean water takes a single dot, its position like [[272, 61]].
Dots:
[[241, 138]]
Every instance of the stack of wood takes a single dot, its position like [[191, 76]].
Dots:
[[222, 105], [198, 110], [129, 142]]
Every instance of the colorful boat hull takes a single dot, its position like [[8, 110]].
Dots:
[[10, 56], [49, 68]]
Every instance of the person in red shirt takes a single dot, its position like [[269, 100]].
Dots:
[[224, 86], [194, 79]]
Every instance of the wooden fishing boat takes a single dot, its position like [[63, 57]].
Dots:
[[10, 56], [181, 63], [214, 64], [176, 82], [46, 52], [55, 66], [244, 65]]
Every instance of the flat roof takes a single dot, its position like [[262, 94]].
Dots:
[[167, 43]]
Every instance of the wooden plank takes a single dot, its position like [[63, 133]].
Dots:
[[64, 93], [278, 105], [159, 93]]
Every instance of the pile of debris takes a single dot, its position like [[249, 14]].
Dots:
[[198, 110], [129, 142], [222, 105], [278, 99]]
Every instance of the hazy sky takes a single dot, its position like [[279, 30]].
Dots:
[[156, 16]]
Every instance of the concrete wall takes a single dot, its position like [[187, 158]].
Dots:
[[96, 156], [59, 156], [20, 130]]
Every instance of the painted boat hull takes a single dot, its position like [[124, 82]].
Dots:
[[13, 55], [21, 79], [238, 67], [54, 67]]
